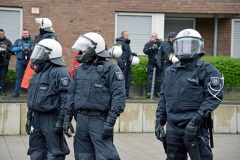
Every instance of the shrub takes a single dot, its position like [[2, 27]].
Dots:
[[11, 76], [230, 67]]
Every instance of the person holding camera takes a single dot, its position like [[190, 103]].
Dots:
[[23, 49], [5, 55], [165, 56], [151, 50]]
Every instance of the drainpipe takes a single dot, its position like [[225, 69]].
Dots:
[[215, 35]]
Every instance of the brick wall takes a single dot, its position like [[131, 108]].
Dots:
[[72, 18]]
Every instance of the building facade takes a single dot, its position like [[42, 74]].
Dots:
[[218, 21]]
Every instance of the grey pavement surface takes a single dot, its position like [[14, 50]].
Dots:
[[130, 146]]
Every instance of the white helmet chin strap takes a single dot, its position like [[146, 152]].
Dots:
[[211, 90]]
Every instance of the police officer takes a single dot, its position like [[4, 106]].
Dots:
[[151, 49], [165, 54], [97, 93], [46, 98], [23, 48], [5, 55], [192, 89], [124, 62], [45, 29]]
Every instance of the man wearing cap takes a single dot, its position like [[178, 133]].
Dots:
[[165, 54]]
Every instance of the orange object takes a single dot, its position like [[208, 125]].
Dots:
[[75, 64], [27, 75]]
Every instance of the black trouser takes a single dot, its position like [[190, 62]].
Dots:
[[44, 144], [88, 141], [178, 145], [128, 76], [3, 74], [150, 77]]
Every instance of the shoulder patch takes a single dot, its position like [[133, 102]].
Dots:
[[214, 81], [119, 75], [64, 81]]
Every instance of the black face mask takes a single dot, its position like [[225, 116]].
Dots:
[[41, 59], [41, 31], [80, 58]]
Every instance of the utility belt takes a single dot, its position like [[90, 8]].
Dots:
[[53, 111], [92, 113], [184, 124]]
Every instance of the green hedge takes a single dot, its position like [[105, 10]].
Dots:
[[230, 67], [11, 76]]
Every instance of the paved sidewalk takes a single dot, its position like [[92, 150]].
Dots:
[[131, 146]]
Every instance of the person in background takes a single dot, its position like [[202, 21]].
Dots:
[[5, 55], [23, 49], [165, 54], [192, 89], [45, 31], [151, 50], [124, 62]]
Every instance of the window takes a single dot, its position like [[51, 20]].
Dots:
[[177, 25], [235, 45], [11, 22]]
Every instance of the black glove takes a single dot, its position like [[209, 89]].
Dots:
[[134, 54], [28, 123], [159, 131], [192, 127], [67, 125], [154, 47], [108, 128], [58, 129], [28, 126]]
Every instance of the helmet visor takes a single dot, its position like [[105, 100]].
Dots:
[[39, 51], [188, 46], [82, 44]]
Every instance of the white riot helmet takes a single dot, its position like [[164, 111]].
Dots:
[[47, 49], [89, 45], [45, 24], [188, 44], [135, 61], [115, 51]]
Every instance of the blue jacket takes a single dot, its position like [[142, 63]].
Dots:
[[166, 48], [126, 56], [23, 49], [97, 87], [47, 89], [189, 89], [45, 35]]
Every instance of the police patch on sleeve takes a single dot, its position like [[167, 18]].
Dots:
[[119, 75], [214, 81], [65, 81]]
